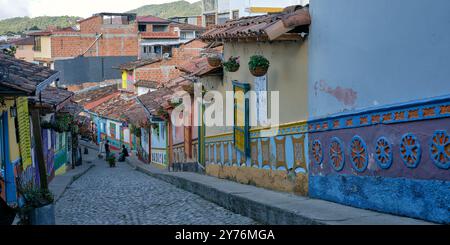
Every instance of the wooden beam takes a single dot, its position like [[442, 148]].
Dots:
[[35, 120]]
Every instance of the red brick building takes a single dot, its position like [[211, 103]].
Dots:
[[103, 34], [160, 70]]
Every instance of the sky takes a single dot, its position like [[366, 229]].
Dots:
[[82, 8]]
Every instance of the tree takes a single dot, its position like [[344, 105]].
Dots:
[[10, 51]]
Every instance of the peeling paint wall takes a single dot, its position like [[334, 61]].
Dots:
[[379, 106], [369, 53]]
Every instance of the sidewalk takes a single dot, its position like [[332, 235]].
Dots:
[[60, 183], [270, 207]]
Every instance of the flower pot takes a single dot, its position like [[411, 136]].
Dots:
[[259, 71], [43, 216], [214, 61], [233, 69], [189, 89]]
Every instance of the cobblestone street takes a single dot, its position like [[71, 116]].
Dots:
[[124, 196]]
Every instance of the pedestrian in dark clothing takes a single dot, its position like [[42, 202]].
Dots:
[[107, 149], [124, 154]]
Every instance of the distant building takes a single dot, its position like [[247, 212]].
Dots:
[[158, 36], [216, 12], [24, 49], [102, 35], [195, 20], [99, 43]]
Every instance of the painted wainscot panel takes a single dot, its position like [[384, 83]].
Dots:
[[394, 159]]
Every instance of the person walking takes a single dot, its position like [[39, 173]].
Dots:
[[107, 149]]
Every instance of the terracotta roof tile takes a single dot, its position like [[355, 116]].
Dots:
[[188, 27], [199, 67], [24, 41], [136, 115], [260, 27], [23, 76], [151, 19], [152, 101], [147, 84], [53, 97], [137, 63], [115, 107], [94, 94]]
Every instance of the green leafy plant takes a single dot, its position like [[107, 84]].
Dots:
[[136, 131], [232, 65], [33, 197], [47, 125], [175, 102], [111, 159], [258, 61], [162, 113], [63, 123], [10, 51], [155, 127]]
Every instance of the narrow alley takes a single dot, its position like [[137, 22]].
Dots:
[[123, 196]]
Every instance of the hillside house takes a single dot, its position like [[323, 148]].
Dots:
[[24, 49], [270, 156]]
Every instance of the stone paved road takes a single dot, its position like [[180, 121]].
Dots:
[[123, 196]]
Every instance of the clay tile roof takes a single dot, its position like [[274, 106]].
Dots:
[[152, 101], [24, 41], [53, 97], [152, 19], [188, 27], [199, 67], [94, 94], [147, 84], [115, 107], [137, 63], [135, 115], [41, 33], [262, 27], [23, 76], [72, 108]]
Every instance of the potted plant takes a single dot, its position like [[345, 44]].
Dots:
[[38, 206], [163, 113], [189, 88], [111, 158], [232, 65], [258, 65], [214, 57], [175, 102], [136, 131]]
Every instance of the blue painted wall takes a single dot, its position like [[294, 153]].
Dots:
[[159, 140], [376, 52]]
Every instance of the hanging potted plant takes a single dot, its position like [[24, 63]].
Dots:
[[214, 58], [175, 102], [258, 65], [232, 65], [189, 88], [162, 113]]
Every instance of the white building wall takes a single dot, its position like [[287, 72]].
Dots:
[[126, 135]]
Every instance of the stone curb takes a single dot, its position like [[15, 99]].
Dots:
[[307, 212], [262, 213]]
